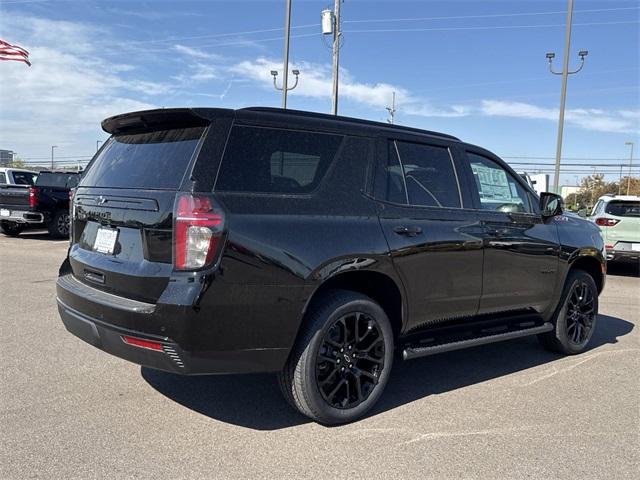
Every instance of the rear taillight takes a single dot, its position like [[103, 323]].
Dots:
[[606, 222], [198, 228], [33, 196]]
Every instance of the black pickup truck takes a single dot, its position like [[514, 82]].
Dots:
[[45, 204]]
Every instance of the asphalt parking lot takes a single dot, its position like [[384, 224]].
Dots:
[[509, 410]]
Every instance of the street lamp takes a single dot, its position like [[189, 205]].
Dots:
[[274, 73], [563, 92], [52, 147], [630, 163]]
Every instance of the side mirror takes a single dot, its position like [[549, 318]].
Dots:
[[550, 204]]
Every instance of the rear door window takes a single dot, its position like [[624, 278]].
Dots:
[[422, 175], [267, 160], [152, 160], [623, 208]]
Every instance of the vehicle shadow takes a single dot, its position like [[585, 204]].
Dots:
[[254, 401], [624, 269]]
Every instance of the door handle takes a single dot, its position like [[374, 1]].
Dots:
[[498, 232], [408, 231]]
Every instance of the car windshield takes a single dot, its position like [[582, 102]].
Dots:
[[623, 208]]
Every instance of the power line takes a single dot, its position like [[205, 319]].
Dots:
[[494, 27], [494, 15]]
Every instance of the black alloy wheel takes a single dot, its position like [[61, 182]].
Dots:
[[575, 317], [581, 312], [342, 358], [350, 360]]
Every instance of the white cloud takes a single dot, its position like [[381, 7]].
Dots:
[[316, 82], [195, 52], [616, 121], [62, 98]]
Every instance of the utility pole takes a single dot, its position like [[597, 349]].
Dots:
[[392, 108], [336, 56], [285, 72], [563, 92], [630, 163], [52, 147]]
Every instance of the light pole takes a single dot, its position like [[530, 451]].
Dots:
[[52, 147], [274, 73], [563, 92], [630, 163], [285, 73]]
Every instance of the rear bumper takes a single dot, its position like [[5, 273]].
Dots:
[[626, 255], [23, 216], [86, 313]]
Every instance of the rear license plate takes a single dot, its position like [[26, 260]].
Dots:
[[635, 247], [105, 240], [5, 213]]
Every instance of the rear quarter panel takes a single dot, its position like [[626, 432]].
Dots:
[[281, 248]]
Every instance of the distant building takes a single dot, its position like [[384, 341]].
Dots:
[[567, 190], [6, 157], [538, 181]]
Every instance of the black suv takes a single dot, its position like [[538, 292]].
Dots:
[[209, 241]]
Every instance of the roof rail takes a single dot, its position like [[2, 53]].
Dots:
[[360, 121]]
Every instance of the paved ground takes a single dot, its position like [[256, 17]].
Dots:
[[508, 410]]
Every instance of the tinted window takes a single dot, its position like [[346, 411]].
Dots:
[[623, 208], [429, 175], [3, 178], [265, 160], [155, 160], [395, 186], [24, 178], [497, 189], [57, 180]]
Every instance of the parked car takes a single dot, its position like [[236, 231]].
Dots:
[[618, 217], [43, 204], [17, 176], [210, 241]]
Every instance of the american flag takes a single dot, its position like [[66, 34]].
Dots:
[[13, 52]]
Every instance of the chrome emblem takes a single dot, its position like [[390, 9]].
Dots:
[[101, 200]]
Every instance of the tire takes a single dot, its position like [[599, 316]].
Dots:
[[59, 225], [330, 385], [576, 316], [12, 229]]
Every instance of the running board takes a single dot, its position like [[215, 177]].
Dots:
[[415, 352]]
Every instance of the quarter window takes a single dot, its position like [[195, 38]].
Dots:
[[3, 178], [266, 160], [421, 175], [497, 188]]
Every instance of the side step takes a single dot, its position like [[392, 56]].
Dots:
[[415, 352]]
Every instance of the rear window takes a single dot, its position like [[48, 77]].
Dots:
[[57, 180], [266, 160], [24, 178], [621, 208], [153, 160]]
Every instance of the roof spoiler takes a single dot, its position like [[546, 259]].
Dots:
[[162, 117]]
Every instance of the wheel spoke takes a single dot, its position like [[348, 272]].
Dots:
[[335, 390], [350, 360]]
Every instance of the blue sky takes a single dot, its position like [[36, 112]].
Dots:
[[475, 69]]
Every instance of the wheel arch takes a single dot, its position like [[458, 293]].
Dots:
[[378, 286], [592, 265]]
